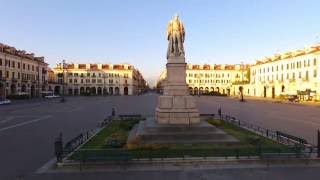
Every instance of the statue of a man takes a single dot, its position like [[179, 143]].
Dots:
[[175, 36]]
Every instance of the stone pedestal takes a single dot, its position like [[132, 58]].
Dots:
[[176, 106], [151, 132]]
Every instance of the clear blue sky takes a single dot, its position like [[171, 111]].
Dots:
[[133, 31]]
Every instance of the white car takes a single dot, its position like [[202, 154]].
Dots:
[[4, 101], [51, 96]]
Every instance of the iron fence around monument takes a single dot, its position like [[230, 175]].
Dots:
[[277, 136], [117, 155], [297, 147]]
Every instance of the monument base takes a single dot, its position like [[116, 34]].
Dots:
[[177, 110], [150, 132]]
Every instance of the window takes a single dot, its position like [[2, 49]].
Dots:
[[18, 65], [75, 81], [13, 75], [190, 81], [0, 62], [315, 73], [13, 64], [314, 61], [7, 74], [24, 66], [293, 75], [18, 75], [70, 80], [28, 67], [307, 75], [308, 62], [299, 74]]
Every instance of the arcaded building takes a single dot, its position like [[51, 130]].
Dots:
[[218, 78], [21, 73], [289, 73], [96, 79]]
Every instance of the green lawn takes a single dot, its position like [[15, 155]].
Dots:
[[117, 131]]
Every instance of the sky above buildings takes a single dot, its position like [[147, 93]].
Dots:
[[134, 31]]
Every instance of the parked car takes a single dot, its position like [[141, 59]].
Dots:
[[293, 98], [51, 96], [4, 101]]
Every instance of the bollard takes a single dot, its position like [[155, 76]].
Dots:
[[318, 144], [58, 148], [113, 112], [219, 112]]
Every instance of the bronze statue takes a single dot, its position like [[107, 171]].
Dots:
[[175, 36]]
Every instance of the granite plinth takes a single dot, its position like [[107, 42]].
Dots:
[[177, 110], [151, 132]]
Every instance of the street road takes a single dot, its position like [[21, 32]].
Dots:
[[28, 129]]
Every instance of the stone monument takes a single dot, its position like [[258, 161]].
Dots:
[[176, 106], [177, 120]]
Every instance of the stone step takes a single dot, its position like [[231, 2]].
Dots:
[[181, 129], [202, 141], [184, 136]]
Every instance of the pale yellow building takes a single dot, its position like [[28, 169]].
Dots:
[[290, 73], [21, 73], [97, 79]]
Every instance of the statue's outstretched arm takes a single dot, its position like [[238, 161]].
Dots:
[[169, 31], [182, 31]]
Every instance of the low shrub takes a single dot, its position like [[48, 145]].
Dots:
[[215, 122]]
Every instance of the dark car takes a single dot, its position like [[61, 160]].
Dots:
[[293, 98]]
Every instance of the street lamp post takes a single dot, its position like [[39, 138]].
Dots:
[[242, 83], [63, 83]]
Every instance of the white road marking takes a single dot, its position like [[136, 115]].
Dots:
[[46, 166], [25, 123], [9, 118]]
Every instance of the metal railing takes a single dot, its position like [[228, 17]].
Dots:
[[94, 155], [278, 136]]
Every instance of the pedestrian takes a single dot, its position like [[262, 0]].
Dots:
[[219, 112]]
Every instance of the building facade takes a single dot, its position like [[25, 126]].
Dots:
[[290, 73], [96, 79], [277, 76], [21, 73], [218, 78]]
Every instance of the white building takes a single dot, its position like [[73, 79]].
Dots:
[[97, 79], [217, 78]]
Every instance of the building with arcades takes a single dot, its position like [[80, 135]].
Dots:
[[96, 79]]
